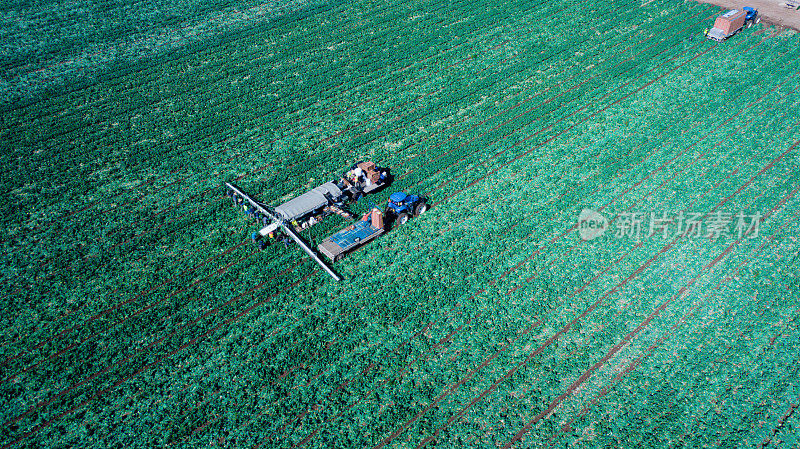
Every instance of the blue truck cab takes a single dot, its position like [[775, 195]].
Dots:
[[402, 206]]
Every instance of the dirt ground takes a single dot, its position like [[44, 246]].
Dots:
[[773, 12]]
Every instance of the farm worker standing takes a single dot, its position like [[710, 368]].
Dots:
[[705, 32]]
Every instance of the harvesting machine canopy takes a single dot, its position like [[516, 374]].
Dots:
[[307, 203]]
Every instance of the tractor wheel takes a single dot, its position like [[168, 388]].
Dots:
[[402, 218], [337, 257], [420, 209]]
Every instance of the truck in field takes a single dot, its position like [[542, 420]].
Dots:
[[731, 22]]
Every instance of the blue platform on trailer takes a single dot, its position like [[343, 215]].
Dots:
[[353, 234]]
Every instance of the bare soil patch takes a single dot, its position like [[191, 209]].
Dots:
[[781, 13]]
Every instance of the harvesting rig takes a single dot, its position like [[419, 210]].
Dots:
[[284, 222]]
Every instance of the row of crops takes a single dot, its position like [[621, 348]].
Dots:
[[138, 315]]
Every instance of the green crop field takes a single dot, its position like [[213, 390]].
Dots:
[[136, 312]]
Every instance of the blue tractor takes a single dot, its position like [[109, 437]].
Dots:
[[402, 206], [751, 16]]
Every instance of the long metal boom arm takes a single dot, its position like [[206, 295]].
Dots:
[[269, 212]]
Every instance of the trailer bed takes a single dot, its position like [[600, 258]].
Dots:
[[348, 238]]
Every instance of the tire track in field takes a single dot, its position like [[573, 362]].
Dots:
[[792, 407], [716, 185], [70, 213], [431, 438], [702, 155], [771, 343], [172, 206], [636, 363], [318, 406], [525, 429], [569, 325], [423, 329], [262, 167], [431, 323], [665, 164], [453, 387], [100, 200], [504, 275], [645, 354], [403, 343], [494, 280]]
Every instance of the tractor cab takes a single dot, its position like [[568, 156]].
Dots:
[[752, 14], [402, 206]]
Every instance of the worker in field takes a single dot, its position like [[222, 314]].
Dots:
[[705, 32]]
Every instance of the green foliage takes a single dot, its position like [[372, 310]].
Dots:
[[137, 315]]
